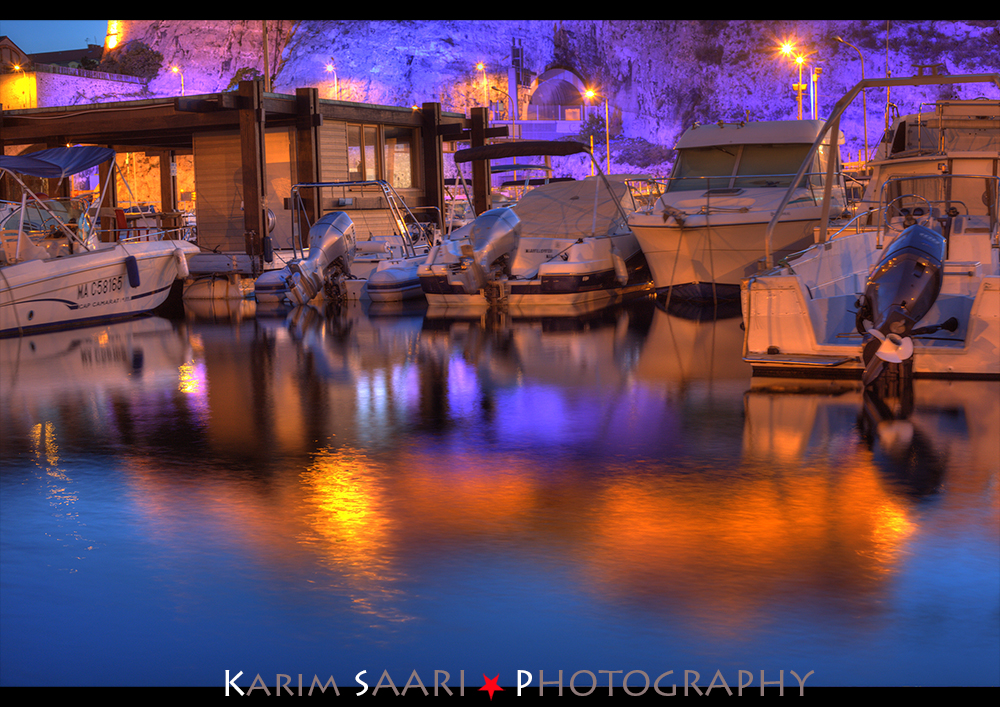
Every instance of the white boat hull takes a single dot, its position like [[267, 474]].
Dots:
[[587, 276], [90, 287], [801, 321], [708, 260]]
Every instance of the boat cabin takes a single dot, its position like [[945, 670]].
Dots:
[[727, 157], [954, 126]]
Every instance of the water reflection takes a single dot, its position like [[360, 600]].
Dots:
[[364, 475]]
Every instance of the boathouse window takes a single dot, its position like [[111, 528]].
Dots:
[[399, 156], [387, 153], [362, 152]]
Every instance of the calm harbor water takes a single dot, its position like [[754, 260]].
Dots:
[[318, 494]]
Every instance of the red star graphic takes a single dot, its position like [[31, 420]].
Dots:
[[491, 685]]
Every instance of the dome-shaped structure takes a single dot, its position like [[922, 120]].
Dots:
[[558, 87]]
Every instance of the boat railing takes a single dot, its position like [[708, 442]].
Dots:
[[853, 225], [832, 126], [152, 235], [401, 215]]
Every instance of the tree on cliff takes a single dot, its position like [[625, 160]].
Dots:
[[132, 59]]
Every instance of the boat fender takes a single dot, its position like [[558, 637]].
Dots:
[[183, 272], [268, 247], [132, 268], [621, 270]]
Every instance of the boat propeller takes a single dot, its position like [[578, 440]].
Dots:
[[894, 348]]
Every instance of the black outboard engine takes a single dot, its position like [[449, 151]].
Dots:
[[899, 293]]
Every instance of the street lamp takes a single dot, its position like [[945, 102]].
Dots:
[[177, 70], [591, 93], [331, 69], [511, 113], [486, 96], [864, 102], [788, 49]]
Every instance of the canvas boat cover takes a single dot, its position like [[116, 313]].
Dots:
[[566, 209], [57, 162]]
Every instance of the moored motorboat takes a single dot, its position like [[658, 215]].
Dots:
[[55, 271], [563, 244], [347, 256], [706, 231], [912, 286]]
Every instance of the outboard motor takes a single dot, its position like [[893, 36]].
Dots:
[[331, 251], [899, 293], [483, 242]]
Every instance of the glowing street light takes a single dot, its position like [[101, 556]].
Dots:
[[331, 69], [788, 50], [591, 93], [177, 70], [486, 96]]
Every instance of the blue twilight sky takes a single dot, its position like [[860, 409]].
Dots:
[[36, 36]]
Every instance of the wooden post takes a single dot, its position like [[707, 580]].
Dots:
[[168, 189], [108, 200], [251, 108], [480, 168], [432, 143], [307, 159]]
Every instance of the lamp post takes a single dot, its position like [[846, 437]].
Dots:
[[331, 69], [817, 70], [510, 102], [591, 93], [788, 49], [607, 133], [486, 96], [177, 70], [864, 102]]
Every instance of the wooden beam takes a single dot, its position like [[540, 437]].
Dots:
[[433, 160], [253, 162], [480, 168], [453, 132], [168, 182], [307, 156], [110, 199]]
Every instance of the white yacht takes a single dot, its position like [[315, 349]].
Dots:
[[564, 244], [706, 231], [57, 272], [912, 280]]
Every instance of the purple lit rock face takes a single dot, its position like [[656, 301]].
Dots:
[[659, 76]]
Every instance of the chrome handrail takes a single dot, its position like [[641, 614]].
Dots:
[[833, 124]]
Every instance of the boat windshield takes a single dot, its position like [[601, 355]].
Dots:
[[736, 166], [72, 212], [770, 165], [945, 195], [704, 168]]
